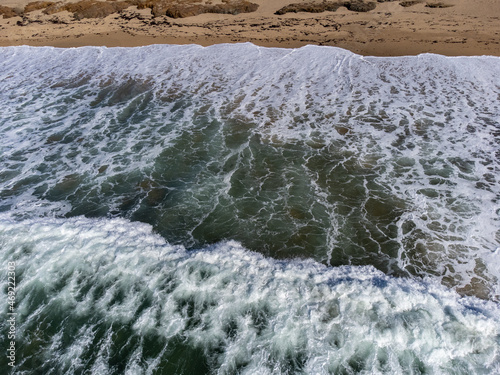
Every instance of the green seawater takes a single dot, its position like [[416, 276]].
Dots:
[[214, 180], [200, 172]]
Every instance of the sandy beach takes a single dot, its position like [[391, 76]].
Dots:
[[453, 27]]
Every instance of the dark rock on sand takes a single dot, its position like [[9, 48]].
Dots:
[[438, 5], [355, 6], [180, 9], [309, 7], [409, 3], [359, 6]]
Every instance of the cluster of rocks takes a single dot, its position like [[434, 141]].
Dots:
[[100, 9], [187, 8], [352, 5], [355, 6], [87, 8], [182, 9]]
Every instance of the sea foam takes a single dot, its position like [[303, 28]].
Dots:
[[311, 152], [110, 296]]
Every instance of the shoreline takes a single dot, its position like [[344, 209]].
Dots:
[[462, 29], [144, 42]]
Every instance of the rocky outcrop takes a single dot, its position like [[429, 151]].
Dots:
[[7, 12], [182, 9], [37, 5], [170, 8], [309, 7], [355, 6], [88, 8], [360, 6]]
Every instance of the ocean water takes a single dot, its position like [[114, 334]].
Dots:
[[235, 209]]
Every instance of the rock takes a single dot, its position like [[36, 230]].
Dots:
[[24, 22], [438, 5], [359, 6], [309, 7], [7, 12], [355, 6], [179, 10], [133, 13], [409, 3], [64, 19], [185, 9], [55, 8], [233, 7], [37, 5], [88, 8]]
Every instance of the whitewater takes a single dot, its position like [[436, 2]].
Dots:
[[236, 209]]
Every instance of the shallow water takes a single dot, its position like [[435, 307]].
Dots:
[[382, 169]]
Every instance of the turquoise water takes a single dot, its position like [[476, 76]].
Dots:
[[237, 209]]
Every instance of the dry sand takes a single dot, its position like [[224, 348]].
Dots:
[[467, 27]]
